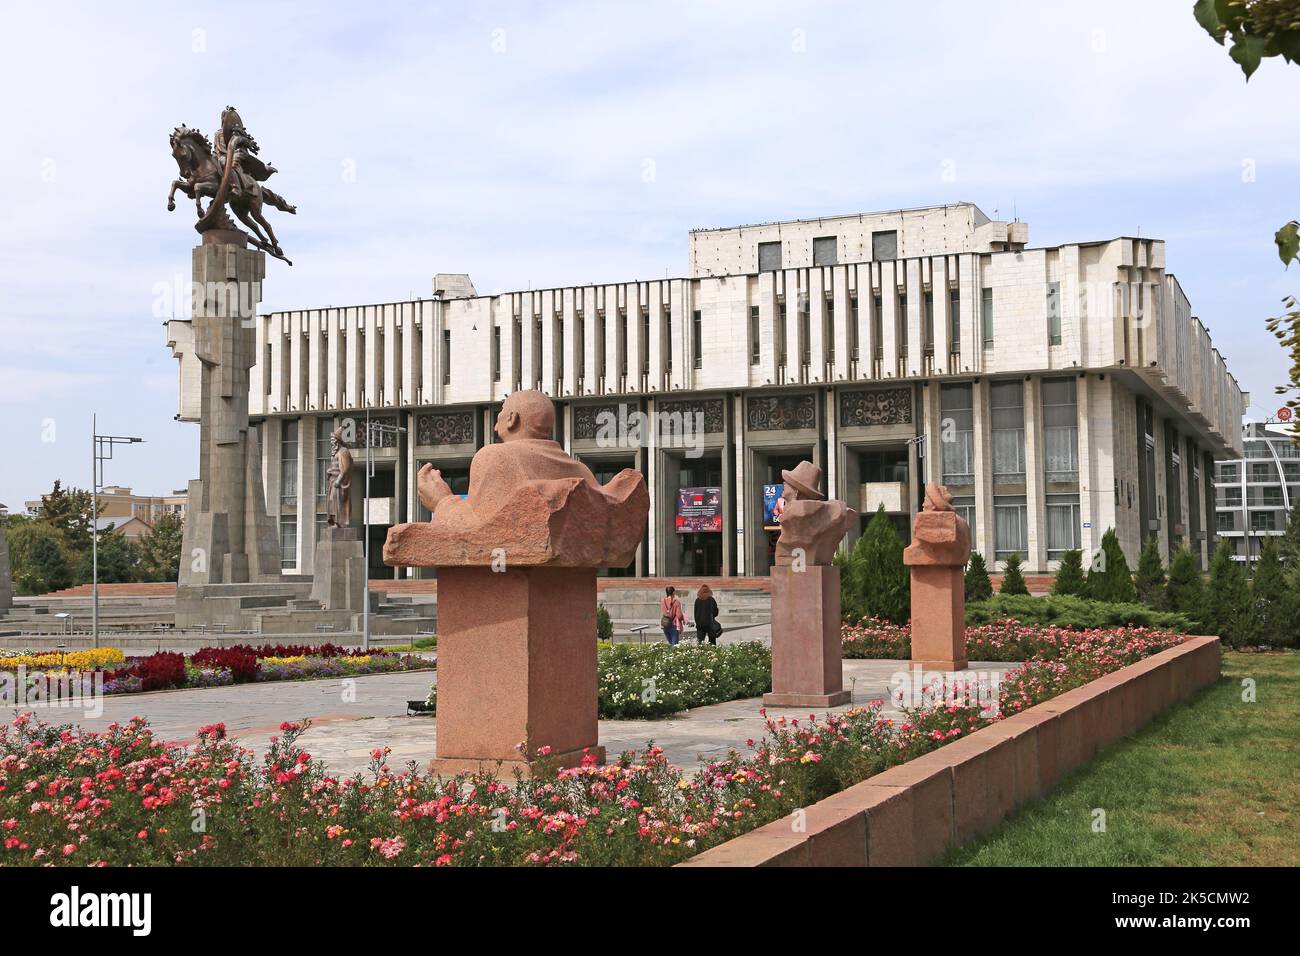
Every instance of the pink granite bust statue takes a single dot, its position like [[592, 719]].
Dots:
[[529, 504], [810, 524], [940, 535]]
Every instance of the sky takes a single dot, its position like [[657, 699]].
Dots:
[[554, 144]]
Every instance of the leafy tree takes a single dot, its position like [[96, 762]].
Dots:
[[1013, 579], [1268, 592], [1228, 604], [1185, 591], [1150, 578], [1109, 578], [1259, 29], [878, 582], [159, 550], [978, 585], [1069, 576]]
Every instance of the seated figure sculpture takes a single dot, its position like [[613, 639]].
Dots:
[[810, 525], [529, 502], [517, 562]]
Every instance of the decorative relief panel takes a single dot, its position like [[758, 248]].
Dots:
[[711, 410], [587, 419], [445, 428], [779, 412], [876, 406]]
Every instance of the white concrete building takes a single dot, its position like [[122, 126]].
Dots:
[[1255, 493], [1057, 391]]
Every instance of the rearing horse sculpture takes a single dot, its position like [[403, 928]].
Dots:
[[233, 175]]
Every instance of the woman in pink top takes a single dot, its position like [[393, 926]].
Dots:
[[671, 617]]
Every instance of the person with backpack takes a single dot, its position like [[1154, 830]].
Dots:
[[706, 616], [671, 617]]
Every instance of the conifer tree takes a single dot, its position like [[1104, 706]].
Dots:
[[1229, 610], [1013, 579], [1150, 579], [1109, 578], [978, 585], [1069, 576]]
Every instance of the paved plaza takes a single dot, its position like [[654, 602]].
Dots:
[[343, 732]]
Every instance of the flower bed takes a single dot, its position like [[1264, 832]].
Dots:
[[1007, 640], [216, 666], [80, 798], [655, 680]]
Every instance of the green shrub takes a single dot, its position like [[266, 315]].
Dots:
[[1069, 576], [1185, 591], [1073, 613], [1013, 579], [978, 585], [604, 626], [1149, 582], [1228, 609], [1109, 578], [876, 583], [1274, 625]]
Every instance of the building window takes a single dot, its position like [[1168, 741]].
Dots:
[[957, 434], [805, 334], [965, 508], [645, 341], [826, 251], [780, 333], [1007, 404], [496, 353], [697, 338], [1060, 430], [1229, 472], [1010, 526], [927, 327], [954, 320], [877, 326], [755, 341], [853, 328], [323, 456], [884, 245], [289, 461], [557, 324], [769, 256], [622, 341], [900, 325], [1263, 521], [1054, 313], [1062, 525], [668, 349], [288, 542], [828, 330], [580, 360], [446, 356], [986, 316]]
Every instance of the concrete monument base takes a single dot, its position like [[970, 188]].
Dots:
[[516, 667], [807, 656], [339, 579]]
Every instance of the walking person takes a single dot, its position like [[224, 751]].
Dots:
[[706, 616], [671, 617]]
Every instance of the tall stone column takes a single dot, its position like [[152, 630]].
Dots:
[[229, 538]]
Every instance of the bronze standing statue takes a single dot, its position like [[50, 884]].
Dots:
[[231, 173], [338, 482]]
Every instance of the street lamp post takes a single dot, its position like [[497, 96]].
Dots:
[[101, 451], [373, 429]]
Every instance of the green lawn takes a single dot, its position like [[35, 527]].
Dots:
[[1214, 781]]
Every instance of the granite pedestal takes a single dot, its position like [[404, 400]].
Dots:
[[339, 578], [516, 666], [807, 655]]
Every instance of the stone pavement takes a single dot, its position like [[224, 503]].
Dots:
[[344, 732]]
